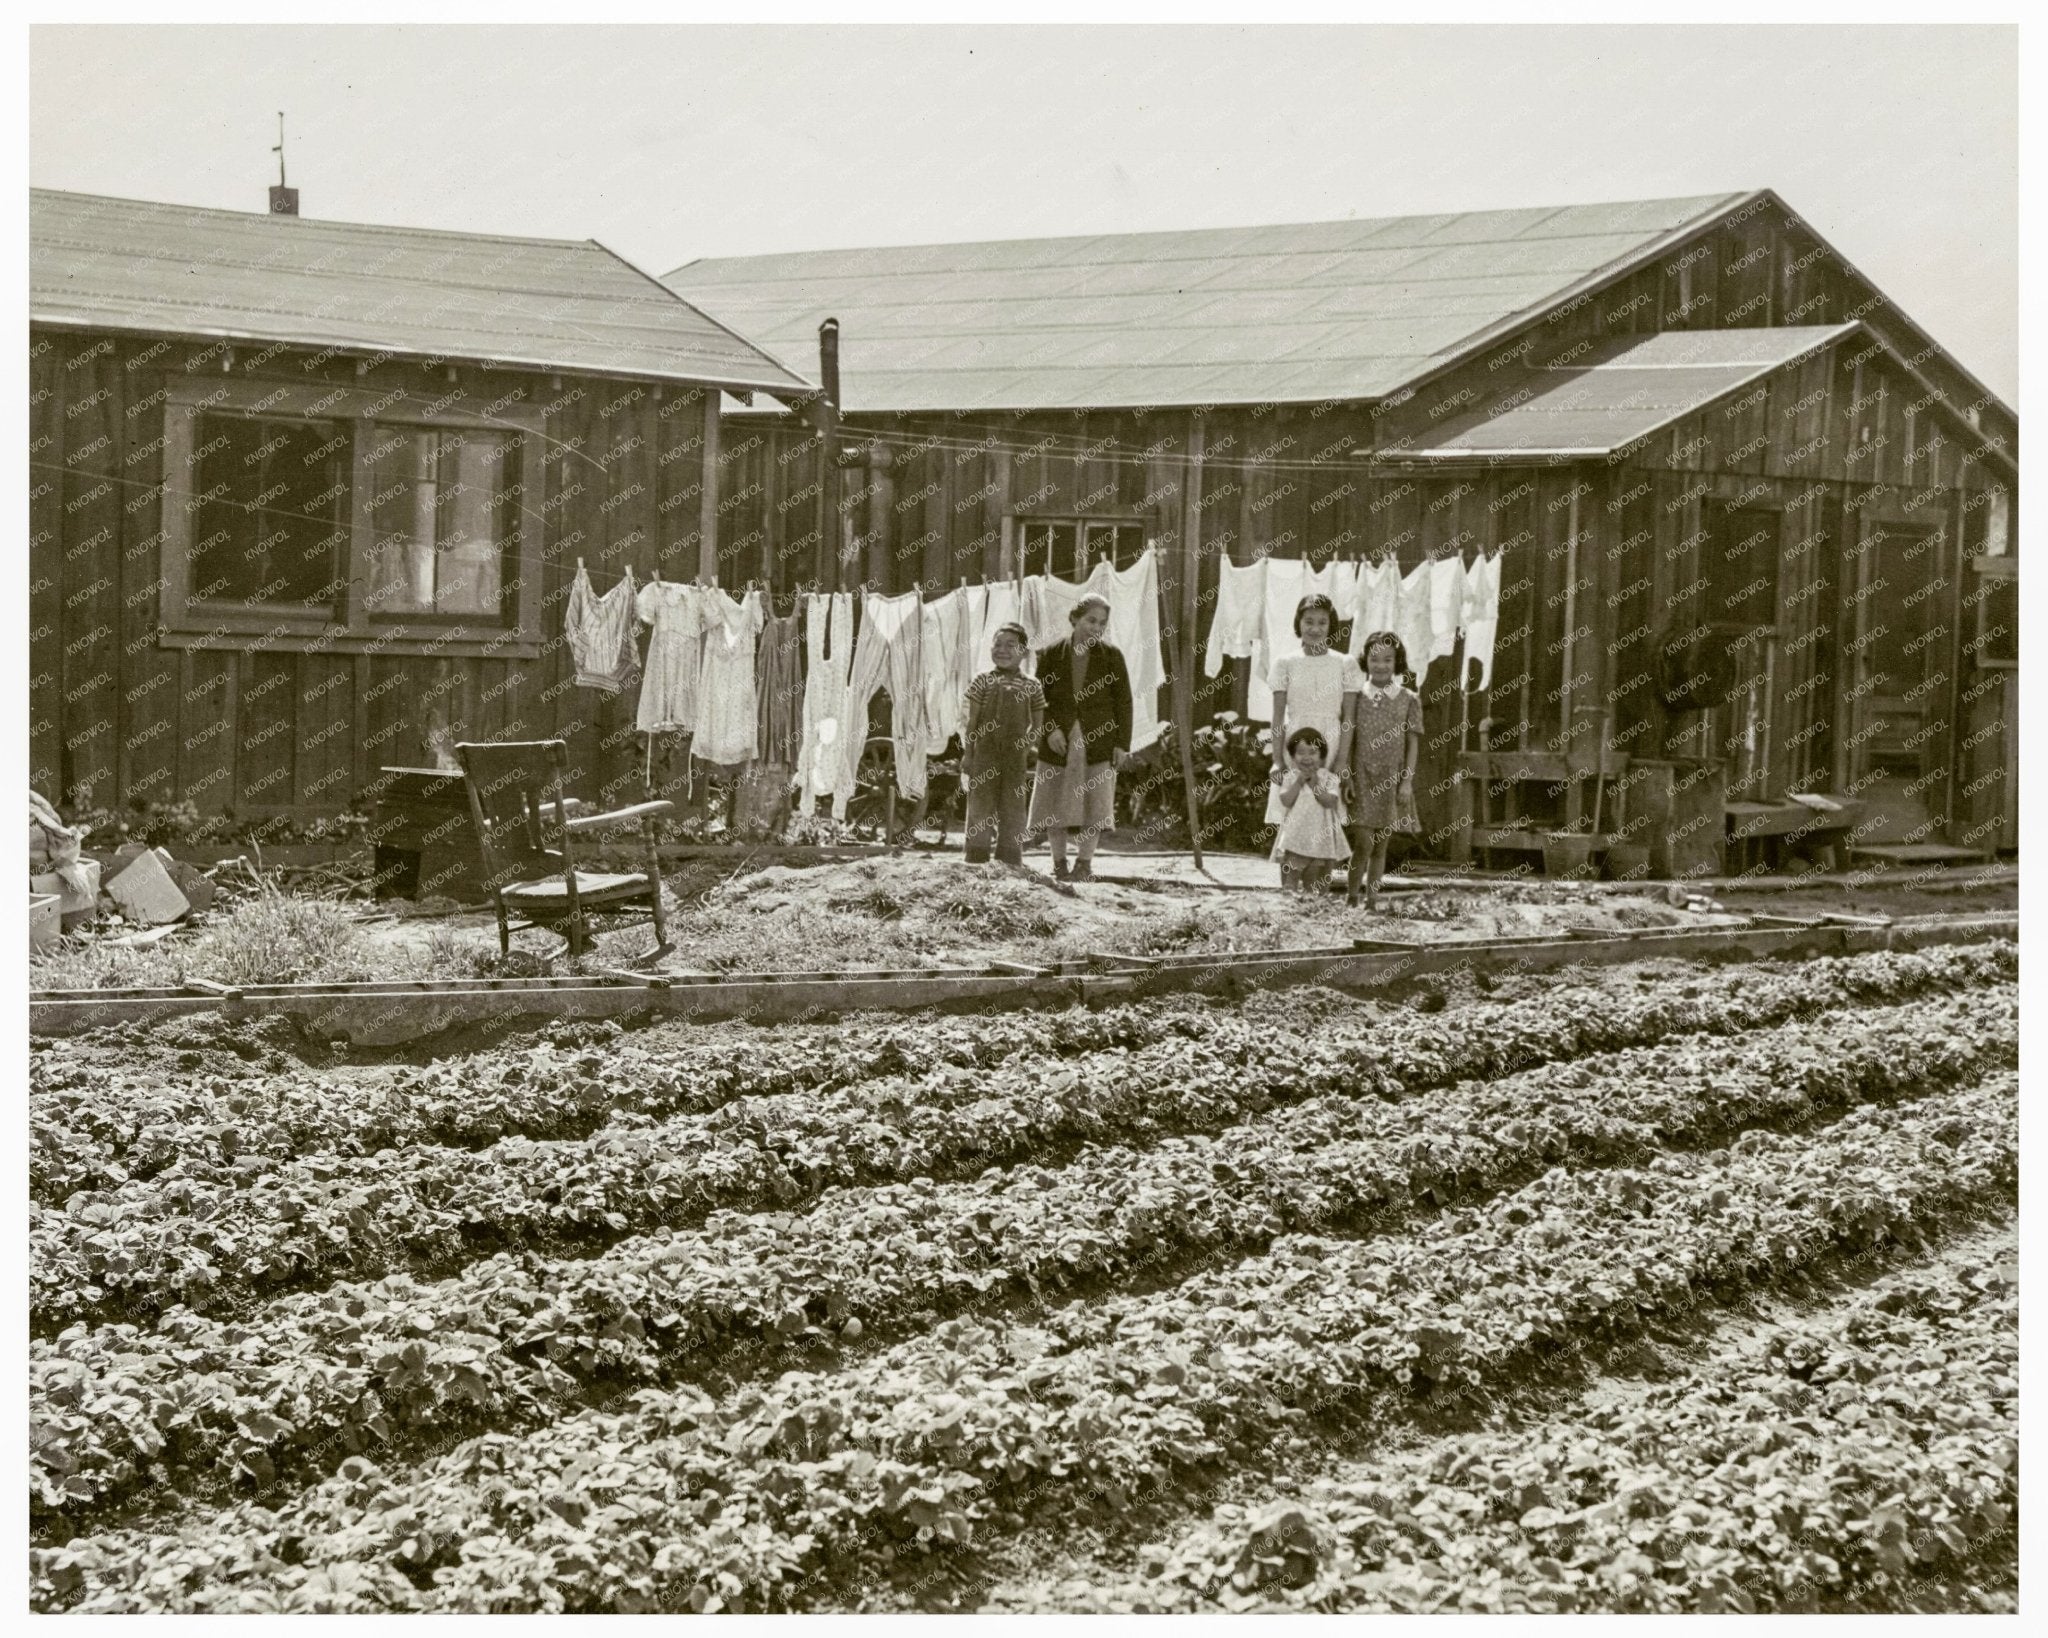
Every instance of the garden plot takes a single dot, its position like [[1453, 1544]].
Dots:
[[991, 1312]]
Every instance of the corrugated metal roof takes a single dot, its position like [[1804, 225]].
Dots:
[[1613, 393], [1296, 313], [556, 304]]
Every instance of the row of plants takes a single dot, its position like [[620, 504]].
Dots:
[[216, 1237], [308, 1380], [1820, 1465], [685, 1502], [92, 1127], [95, 1126]]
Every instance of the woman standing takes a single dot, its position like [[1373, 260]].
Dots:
[[1316, 688], [1087, 737]]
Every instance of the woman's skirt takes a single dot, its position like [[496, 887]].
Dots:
[[1073, 795]]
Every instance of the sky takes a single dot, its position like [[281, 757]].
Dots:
[[1899, 145]]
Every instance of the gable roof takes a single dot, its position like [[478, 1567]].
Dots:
[[1613, 393], [1303, 313], [551, 304]]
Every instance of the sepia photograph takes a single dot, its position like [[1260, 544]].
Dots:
[[1068, 816]]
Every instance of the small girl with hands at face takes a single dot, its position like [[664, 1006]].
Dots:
[[1312, 831]]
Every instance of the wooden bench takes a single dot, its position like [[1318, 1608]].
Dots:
[[1489, 799], [1760, 833]]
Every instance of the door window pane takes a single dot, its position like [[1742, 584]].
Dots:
[[1997, 633]]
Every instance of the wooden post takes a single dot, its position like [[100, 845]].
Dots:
[[707, 512], [1569, 700], [880, 485], [1184, 658], [1571, 616], [828, 566]]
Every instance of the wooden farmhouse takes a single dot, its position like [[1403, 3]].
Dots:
[[1759, 531], [307, 497]]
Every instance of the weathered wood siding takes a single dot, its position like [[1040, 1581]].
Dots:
[[1817, 443], [257, 730]]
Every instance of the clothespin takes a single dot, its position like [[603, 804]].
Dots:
[[579, 565], [657, 577]]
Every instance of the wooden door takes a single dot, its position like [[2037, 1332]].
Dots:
[[1740, 564], [1987, 814], [1892, 691]]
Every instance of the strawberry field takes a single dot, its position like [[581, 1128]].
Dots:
[[1657, 1288]]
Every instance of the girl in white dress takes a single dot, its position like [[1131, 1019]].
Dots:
[[1316, 688], [1312, 835]]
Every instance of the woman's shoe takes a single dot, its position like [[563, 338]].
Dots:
[[1060, 872], [1084, 871]]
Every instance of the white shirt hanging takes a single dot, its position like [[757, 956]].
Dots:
[[1446, 604], [1240, 617], [1133, 597]]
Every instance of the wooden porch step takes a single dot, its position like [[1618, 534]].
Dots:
[[1507, 836], [1755, 821]]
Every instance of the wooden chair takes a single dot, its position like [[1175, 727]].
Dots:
[[510, 786]]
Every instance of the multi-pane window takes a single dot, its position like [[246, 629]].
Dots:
[[1071, 547], [324, 515]]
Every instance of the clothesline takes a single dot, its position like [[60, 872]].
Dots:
[[708, 650], [710, 654]]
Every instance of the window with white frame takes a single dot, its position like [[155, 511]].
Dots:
[[1070, 547]]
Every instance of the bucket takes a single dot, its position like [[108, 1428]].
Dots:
[[1568, 855], [1628, 861], [45, 921]]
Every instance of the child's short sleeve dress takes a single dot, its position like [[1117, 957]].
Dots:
[[1310, 829], [1315, 686], [1380, 726]]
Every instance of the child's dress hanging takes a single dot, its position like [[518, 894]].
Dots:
[[828, 644], [727, 725], [668, 691]]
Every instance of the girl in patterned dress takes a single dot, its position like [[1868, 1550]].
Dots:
[[1386, 736]]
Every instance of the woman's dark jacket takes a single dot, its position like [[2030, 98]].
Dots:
[[1103, 706]]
